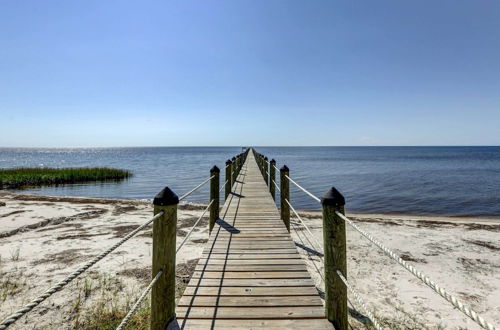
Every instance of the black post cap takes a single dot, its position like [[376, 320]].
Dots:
[[166, 197], [265, 158], [333, 198], [214, 169], [284, 168], [273, 161], [234, 158], [228, 162]]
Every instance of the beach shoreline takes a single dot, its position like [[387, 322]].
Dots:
[[43, 238]]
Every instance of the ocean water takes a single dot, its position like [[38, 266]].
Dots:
[[456, 181]]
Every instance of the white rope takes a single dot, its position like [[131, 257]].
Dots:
[[194, 226], [303, 189], [25, 309], [305, 226], [277, 187], [195, 188], [442, 292], [313, 261], [360, 301], [224, 185], [138, 302]]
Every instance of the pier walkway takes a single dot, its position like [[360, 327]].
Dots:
[[250, 274]]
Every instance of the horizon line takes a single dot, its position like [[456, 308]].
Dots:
[[253, 146]]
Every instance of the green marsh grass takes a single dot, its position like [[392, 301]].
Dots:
[[25, 177]]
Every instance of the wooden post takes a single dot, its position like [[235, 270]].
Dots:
[[214, 197], [266, 171], [272, 178], [285, 194], [235, 171], [164, 234], [334, 242], [229, 179]]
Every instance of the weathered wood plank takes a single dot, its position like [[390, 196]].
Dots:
[[229, 301], [255, 291], [289, 312], [234, 324], [252, 282], [227, 275]]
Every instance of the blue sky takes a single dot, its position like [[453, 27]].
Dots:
[[149, 73]]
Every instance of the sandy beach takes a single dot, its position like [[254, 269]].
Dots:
[[42, 239]]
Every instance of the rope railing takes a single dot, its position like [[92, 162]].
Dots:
[[276, 185], [360, 302], [195, 188], [351, 289], [319, 248], [139, 301], [57, 287], [192, 228], [223, 186], [303, 189], [442, 292], [322, 277]]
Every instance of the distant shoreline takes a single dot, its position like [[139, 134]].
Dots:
[[385, 215]]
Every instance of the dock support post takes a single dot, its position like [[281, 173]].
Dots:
[[214, 197], [334, 242], [285, 195], [164, 234], [272, 178], [266, 171], [229, 178]]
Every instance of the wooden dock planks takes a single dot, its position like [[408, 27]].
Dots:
[[250, 275]]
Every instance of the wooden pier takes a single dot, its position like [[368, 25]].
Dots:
[[250, 274]]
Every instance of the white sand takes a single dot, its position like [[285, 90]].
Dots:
[[36, 258], [52, 236], [460, 254]]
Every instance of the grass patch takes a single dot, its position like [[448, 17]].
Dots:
[[25, 177], [11, 282], [101, 301]]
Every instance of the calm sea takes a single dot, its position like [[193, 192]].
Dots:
[[413, 180]]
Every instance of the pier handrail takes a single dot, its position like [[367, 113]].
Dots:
[[423, 278], [194, 226], [138, 302], [360, 301], [164, 239], [61, 284], [303, 189], [150, 286], [196, 188], [320, 249]]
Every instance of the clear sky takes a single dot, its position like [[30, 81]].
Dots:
[[256, 72]]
